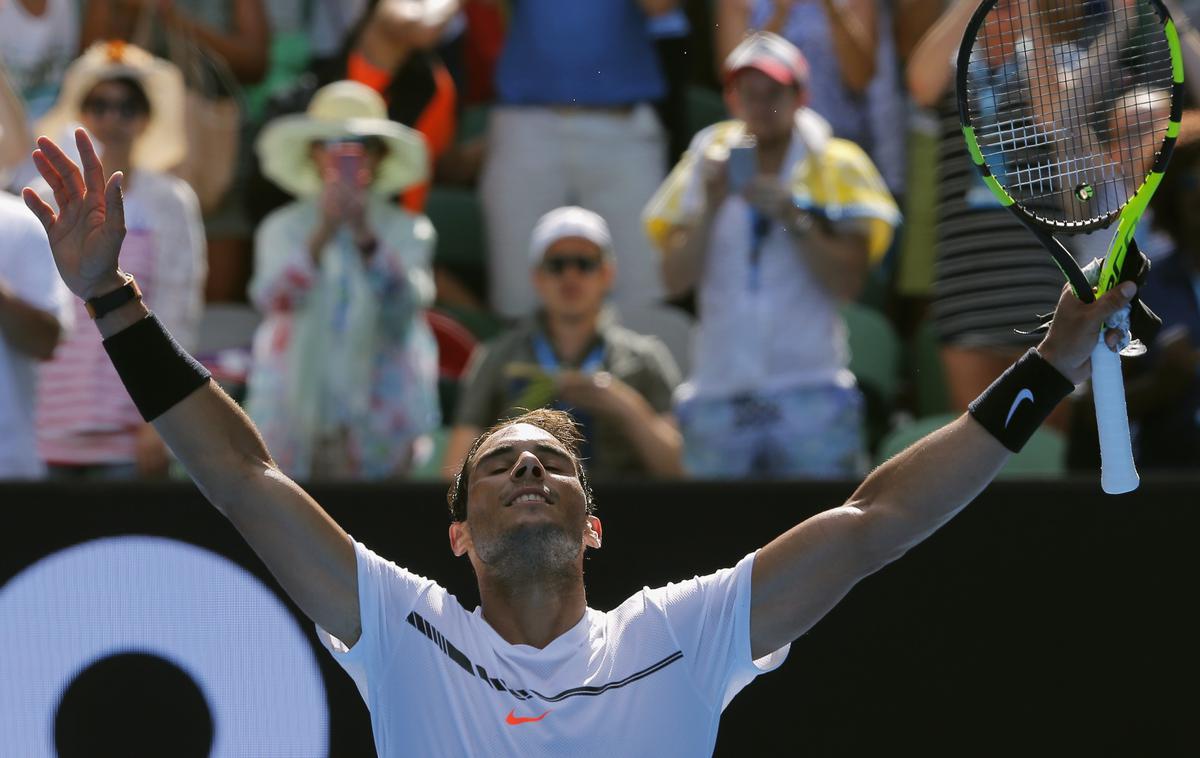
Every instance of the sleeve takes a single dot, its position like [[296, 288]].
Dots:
[[710, 618], [283, 270], [178, 298], [387, 593], [660, 376], [479, 387], [681, 195], [399, 271], [36, 280]]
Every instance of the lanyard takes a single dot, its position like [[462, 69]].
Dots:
[[546, 358], [760, 227]]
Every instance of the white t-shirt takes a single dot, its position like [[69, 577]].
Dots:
[[37, 50], [649, 678], [764, 324], [28, 270]]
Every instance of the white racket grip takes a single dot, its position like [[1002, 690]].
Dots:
[[1117, 472]]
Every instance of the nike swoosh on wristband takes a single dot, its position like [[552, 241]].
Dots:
[[512, 719], [1024, 394]]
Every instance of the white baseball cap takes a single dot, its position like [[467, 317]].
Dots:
[[568, 221]]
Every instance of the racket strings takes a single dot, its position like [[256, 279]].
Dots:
[[1070, 104]]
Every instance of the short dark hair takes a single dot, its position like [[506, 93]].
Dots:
[[1169, 215], [558, 424]]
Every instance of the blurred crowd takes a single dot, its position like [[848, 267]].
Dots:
[[734, 238]]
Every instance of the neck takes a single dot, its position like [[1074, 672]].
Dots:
[[533, 611], [771, 154], [571, 335]]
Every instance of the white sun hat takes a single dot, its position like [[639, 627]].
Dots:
[[340, 110], [163, 145]]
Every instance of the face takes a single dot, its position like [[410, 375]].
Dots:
[[767, 107], [114, 115], [527, 512], [573, 278], [329, 157]]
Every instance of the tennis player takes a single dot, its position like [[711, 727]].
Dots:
[[533, 671]]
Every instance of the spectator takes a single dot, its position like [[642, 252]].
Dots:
[[574, 122], [768, 258], [132, 104], [853, 78], [34, 308], [991, 275], [344, 382], [571, 355], [38, 40]]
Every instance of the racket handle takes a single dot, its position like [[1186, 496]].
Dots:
[[1117, 472]]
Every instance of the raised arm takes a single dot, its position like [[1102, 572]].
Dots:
[[308, 553], [802, 574]]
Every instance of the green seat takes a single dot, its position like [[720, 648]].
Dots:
[[925, 368], [472, 124], [1043, 456], [874, 350], [458, 219]]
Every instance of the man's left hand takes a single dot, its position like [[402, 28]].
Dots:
[[766, 194], [1073, 332], [594, 392]]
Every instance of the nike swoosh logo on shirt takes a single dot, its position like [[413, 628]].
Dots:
[[512, 719], [1024, 394]]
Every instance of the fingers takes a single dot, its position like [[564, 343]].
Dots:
[[1115, 299], [93, 170], [65, 167], [114, 201], [50, 174], [35, 203]]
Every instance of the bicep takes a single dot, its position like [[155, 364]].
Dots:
[[800, 575]]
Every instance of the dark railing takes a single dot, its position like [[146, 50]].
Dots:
[[1047, 618]]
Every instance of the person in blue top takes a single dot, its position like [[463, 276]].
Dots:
[[574, 124]]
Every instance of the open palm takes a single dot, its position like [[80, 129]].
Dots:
[[86, 233]]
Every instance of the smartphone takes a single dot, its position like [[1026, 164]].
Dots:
[[346, 158], [742, 165]]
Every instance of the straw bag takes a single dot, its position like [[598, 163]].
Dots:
[[212, 112]]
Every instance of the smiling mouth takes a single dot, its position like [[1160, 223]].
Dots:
[[529, 497]]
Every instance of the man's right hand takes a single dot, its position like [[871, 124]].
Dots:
[[86, 233]]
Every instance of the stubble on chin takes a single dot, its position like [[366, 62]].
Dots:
[[535, 552]]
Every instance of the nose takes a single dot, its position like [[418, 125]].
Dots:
[[528, 467]]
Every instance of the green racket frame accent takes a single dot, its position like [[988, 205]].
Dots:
[[1130, 214]]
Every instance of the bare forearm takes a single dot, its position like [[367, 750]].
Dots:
[[655, 438], [838, 260], [930, 68], [245, 50], [852, 24], [910, 496], [29, 330], [685, 254]]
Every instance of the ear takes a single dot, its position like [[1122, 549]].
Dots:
[[592, 535], [460, 538], [609, 271]]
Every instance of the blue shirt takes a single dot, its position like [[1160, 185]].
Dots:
[[585, 52]]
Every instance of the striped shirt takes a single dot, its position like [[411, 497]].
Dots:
[[991, 275], [84, 414]]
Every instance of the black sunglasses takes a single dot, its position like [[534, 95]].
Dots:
[[586, 264], [125, 107]]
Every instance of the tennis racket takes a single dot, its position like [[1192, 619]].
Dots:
[[1070, 110]]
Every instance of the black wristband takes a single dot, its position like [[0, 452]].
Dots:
[[156, 371], [1019, 401]]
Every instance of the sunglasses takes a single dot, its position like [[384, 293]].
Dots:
[[585, 264], [126, 108]]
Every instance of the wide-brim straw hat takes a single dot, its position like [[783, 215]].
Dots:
[[164, 143], [341, 110]]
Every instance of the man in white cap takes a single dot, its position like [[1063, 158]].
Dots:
[[617, 384], [774, 223]]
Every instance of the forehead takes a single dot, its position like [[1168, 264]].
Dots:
[[572, 245], [518, 438]]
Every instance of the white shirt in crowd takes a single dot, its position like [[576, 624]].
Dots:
[[28, 269], [36, 50], [649, 678], [764, 330]]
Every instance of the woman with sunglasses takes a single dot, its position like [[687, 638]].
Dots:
[[132, 105], [617, 384]]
